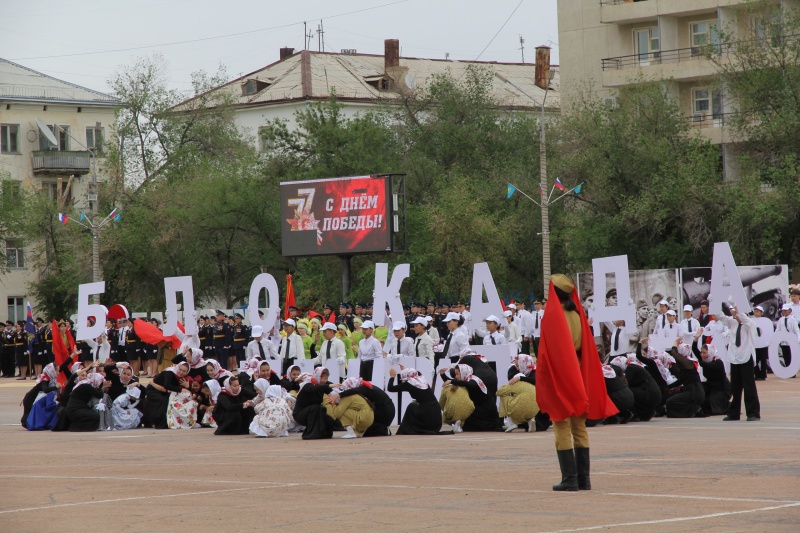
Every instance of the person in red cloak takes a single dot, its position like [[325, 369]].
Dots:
[[569, 381]]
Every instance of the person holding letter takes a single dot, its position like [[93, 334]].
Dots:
[[740, 355]]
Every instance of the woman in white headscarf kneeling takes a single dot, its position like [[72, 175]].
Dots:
[[181, 409], [124, 413], [273, 410], [423, 416], [518, 398]]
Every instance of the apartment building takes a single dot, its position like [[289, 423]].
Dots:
[[615, 43], [78, 118]]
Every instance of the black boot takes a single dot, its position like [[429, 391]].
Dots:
[[569, 471], [582, 460]]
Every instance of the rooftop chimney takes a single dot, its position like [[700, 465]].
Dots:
[[543, 67], [286, 52], [391, 53]]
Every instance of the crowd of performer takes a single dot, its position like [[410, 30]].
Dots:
[[241, 380]]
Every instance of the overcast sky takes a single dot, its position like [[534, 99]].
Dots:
[[96, 39]]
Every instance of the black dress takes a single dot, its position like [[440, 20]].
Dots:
[[382, 405], [483, 371], [485, 416], [231, 416], [424, 415], [689, 400], [621, 395], [117, 387], [717, 388], [646, 393], [289, 385], [309, 412], [157, 401], [81, 416], [63, 398]]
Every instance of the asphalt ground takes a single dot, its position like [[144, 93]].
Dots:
[[665, 475]]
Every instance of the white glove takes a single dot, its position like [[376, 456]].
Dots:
[[100, 407]]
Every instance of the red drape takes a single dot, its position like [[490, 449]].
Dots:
[[61, 351], [290, 301], [567, 387]]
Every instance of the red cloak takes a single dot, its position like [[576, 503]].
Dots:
[[567, 387]]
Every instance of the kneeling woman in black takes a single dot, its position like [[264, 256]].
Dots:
[[423, 416], [309, 411], [173, 379], [82, 417], [234, 409], [485, 416], [689, 401], [716, 387]]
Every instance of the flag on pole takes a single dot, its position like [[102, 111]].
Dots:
[[511, 190], [118, 217], [559, 185], [114, 212], [63, 218], [83, 217], [30, 327], [290, 301], [577, 189]]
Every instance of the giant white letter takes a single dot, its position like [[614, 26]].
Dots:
[[482, 280], [171, 288], [778, 369], [388, 293], [722, 265], [86, 310], [267, 283], [624, 309]]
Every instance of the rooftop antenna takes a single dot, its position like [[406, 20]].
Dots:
[[320, 41], [522, 47], [447, 56]]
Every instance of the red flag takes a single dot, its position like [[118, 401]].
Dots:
[[567, 387], [61, 350], [503, 305], [314, 314], [290, 301], [146, 331], [331, 318]]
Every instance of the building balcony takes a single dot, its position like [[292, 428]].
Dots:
[[630, 11], [683, 64], [77, 163]]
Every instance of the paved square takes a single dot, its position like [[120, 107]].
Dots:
[[665, 475]]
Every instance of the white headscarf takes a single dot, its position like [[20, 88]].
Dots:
[[213, 386], [218, 371], [251, 366], [94, 379], [195, 358], [712, 353], [608, 372], [467, 375], [525, 364], [49, 373], [620, 361], [262, 385], [273, 391], [413, 377], [227, 388], [174, 369]]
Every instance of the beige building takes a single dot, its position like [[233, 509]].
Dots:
[[362, 82], [615, 43], [78, 118]]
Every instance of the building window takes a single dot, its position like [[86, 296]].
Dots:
[[647, 42], [703, 34], [769, 28], [50, 188], [61, 134], [15, 254], [16, 309], [706, 104], [9, 134], [94, 139]]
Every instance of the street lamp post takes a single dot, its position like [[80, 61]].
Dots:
[[544, 206]]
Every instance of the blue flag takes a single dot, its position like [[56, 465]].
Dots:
[[577, 189], [83, 217], [511, 190]]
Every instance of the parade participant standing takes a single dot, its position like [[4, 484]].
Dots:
[[400, 345], [291, 346], [241, 336], [260, 347], [620, 339], [332, 348], [762, 354], [569, 382], [369, 349], [538, 315], [787, 323], [423, 344], [219, 339], [740, 355]]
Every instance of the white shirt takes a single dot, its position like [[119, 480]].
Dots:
[[689, 328], [434, 334], [670, 331], [795, 310], [741, 354], [525, 323], [619, 338], [498, 338], [661, 322], [296, 350], [512, 333], [458, 342], [123, 336], [337, 350], [537, 325], [789, 324], [369, 348], [406, 347], [252, 351], [423, 346]]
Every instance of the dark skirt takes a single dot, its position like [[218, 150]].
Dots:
[[44, 414], [687, 402], [233, 422], [156, 413], [319, 425], [484, 418], [717, 402], [82, 417], [421, 419], [27, 402]]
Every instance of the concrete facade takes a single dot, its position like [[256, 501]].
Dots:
[[611, 44], [26, 158]]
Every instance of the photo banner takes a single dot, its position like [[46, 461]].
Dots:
[[336, 216]]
